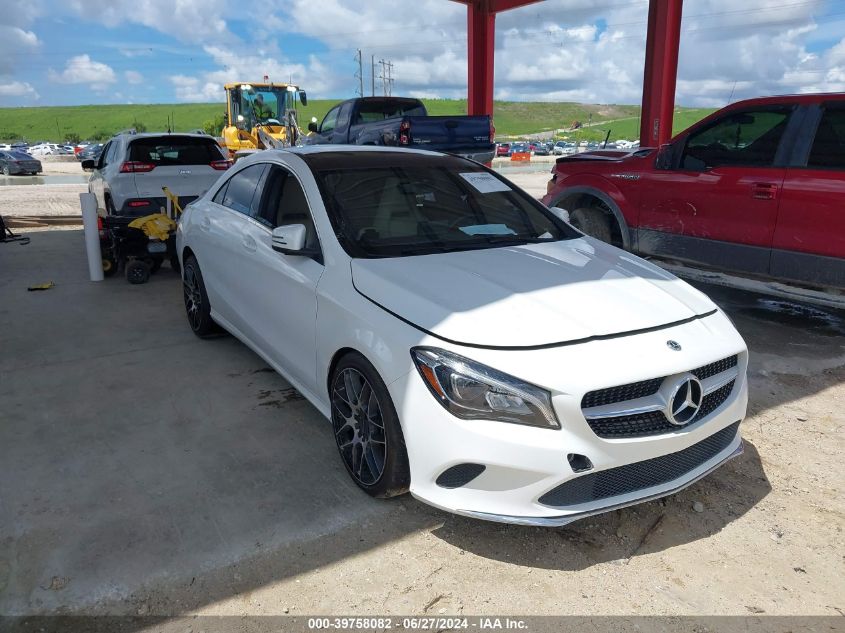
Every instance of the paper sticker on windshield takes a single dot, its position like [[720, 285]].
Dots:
[[484, 182], [487, 229]]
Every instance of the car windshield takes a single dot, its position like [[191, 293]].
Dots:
[[391, 204], [18, 155]]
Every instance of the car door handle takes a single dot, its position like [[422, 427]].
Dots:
[[249, 244], [764, 191]]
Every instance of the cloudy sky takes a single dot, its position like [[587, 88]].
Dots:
[[64, 52]]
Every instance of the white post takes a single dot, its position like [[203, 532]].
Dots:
[[92, 235]]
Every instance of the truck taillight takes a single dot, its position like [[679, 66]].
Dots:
[[221, 165], [405, 133], [133, 167]]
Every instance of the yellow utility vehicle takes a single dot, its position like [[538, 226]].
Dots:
[[261, 116]]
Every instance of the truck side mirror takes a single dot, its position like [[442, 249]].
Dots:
[[664, 157], [303, 98]]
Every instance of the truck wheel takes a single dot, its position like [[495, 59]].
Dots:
[[591, 221]]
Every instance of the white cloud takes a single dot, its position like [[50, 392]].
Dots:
[[133, 77], [187, 20], [192, 89], [237, 64], [83, 70], [586, 50], [15, 44], [18, 89]]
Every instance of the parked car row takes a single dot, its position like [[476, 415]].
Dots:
[[559, 148]]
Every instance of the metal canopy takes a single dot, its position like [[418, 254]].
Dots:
[[659, 73]]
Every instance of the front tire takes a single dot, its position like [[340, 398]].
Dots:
[[197, 306], [367, 430], [593, 222]]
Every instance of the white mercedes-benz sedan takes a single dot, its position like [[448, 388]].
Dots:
[[466, 343]]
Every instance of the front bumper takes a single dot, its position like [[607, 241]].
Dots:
[[522, 464], [565, 519]]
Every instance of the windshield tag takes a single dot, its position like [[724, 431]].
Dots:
[[483, 182]]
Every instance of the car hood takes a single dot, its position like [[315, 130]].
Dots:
[[528, 296]]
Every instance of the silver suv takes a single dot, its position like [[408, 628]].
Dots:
[[128, 177]]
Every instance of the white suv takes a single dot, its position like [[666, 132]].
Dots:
[[128, 177]]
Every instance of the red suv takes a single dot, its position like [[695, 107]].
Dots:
[[756, 188]]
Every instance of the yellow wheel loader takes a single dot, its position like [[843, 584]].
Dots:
[[261, 116]]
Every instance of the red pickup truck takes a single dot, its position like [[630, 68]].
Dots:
[[756, 188]]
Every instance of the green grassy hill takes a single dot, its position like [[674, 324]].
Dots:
[[511, 118]]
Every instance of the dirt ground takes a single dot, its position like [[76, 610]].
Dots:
[[91, 523]]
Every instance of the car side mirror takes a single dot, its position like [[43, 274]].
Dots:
[[561, 214], [312, 126], [289, 239], [89, 164]]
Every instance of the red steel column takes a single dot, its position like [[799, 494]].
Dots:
[[661, 71], [481, 31]]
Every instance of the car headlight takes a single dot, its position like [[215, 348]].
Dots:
[[470, 390]]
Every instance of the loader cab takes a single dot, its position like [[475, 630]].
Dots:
[[253, 106]]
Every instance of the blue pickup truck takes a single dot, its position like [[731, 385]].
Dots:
[[404, 122]]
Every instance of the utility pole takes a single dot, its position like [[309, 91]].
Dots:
[[389, 78], [360, 74], [373, 73], [386, 79]]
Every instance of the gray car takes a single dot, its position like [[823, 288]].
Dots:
[[18, 162], [128, 177]]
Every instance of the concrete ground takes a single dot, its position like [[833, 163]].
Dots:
[[144, 471]]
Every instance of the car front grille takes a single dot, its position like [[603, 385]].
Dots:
[[715, 368], [639, 475], [644, 424], [612, 395]]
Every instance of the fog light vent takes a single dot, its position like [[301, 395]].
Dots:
[[579, 463], [459, 475]]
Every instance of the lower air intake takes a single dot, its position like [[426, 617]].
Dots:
[[459, 475], [640, 475]]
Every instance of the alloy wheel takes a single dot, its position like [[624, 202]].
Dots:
[[359, 426], [193, 297]]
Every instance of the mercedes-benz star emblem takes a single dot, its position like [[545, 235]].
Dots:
[[674, 345], [685, 401]]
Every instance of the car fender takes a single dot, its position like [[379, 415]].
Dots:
[[609, 194]]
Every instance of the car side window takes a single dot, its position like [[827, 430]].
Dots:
[[343, 116], [104, 155], [241, 188], [283, 202], [330, 122], [739, 138], [221, 193], [828, 151]]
